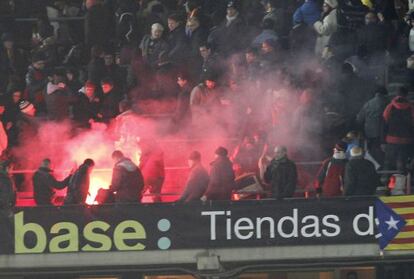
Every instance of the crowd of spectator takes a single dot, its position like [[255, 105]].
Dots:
[[301, 74]]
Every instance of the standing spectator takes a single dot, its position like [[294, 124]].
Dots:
[[114, 71], [57, 98], [182, 115], [98, 24], [211, 61], [78, 188], [126, 23], [197, 36], [72, 80], [36, 81], [308, 13], [268, 33], [204, 97], [326, 26], [45, 184], [86, 105], [26, 123], [399, 120], [373, 35], [177, 40], [152, 46], [12, 61], [253, 67], [276, 13], [221, 183], [370, 118], [361, 179], [246, 156], [197, 181], [330, 178], [281, 174], [109, 108], [96, 66], [7, 191], [127, 182]]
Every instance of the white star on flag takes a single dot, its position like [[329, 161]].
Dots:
[[392, 224]]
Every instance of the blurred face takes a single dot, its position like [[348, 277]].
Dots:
[[172, 24], [156, 34], [181, 82], [106, 88], [231, 12], [250, 57], [40, 65], [191, 163], [279, 153], [326, 8], [204, 52], [8, 44], [90, 91], [69, 76], [109, 59], [210, 84], [266, 48], [17, 96], [193, 23]]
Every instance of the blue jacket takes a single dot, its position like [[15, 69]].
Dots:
[[264, 36], [308, 13]]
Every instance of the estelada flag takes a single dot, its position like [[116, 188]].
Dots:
[[396, 227]]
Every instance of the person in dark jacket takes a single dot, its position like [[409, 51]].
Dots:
[[330, 178], [78, 188], [45, 184], [197, 36], [177, 40], [221, 183], [182, 116], [7, 191], [109, 107], [57, 98], [98, 24], [370, 118], [281, 174], [152, 46], [85, 105], [36, 81], [197, 181], [373, 35], [127, 181], [360, 179], [399, 121]]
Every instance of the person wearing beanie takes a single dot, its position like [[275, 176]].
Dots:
[[361, 178], [221, 183], [281, 174], [45, 183], [330, 178], [370, 118], [399, 138], [326, 26], [197, 181], [7, 190]]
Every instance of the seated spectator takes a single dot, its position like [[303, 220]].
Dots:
[[45, 184], [268, 33], [153, 45], [326, 26], [330, 178], [360, 179], [197, 181], [281, 174], [221, 183], [308, 13]]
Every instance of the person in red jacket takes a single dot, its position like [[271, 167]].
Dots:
[[329, 181], [399, 136]]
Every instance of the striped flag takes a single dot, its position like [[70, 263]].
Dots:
[[404, 207]]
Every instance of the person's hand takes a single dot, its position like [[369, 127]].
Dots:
[[9, 125], [61, 85], [203, 198]]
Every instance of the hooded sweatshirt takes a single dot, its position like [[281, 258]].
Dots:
[[399, 120]]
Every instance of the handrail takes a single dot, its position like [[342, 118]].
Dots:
[[69, 18]]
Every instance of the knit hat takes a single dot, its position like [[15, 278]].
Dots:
[[332, 3], [25, 106], [195, 156], [356, 151], [221, 151]]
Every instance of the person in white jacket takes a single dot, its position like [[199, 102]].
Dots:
[[326, 26]]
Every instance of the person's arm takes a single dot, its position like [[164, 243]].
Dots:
[[298, 16], [327, 26]]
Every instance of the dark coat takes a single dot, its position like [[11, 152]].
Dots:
[[178, 45], [78, 188], [44, 184], [127, 181], [84, 109], [231, 38], [151, 50], [370, 116], [98, 29], [196, 184], [360, 178], [36, 81], [221, 182], [109, 107], [282, 176], [182, 112], [7, 192], [57, 102], [373, 37], [97, 70]]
